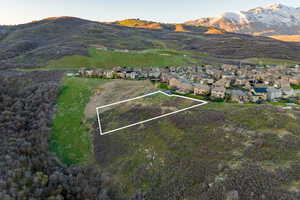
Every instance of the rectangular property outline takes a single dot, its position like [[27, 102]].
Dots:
[[144, 121]]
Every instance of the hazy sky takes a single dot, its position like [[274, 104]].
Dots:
[[173, 11]]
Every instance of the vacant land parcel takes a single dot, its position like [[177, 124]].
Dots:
[[158, 104]]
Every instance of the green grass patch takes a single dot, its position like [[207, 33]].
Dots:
[[295, 87], [265, 61], [109, 59], [163, 86], [70, 138], [281, 102]]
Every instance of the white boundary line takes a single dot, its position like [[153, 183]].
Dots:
[[164, 115]]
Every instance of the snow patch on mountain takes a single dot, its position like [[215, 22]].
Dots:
[[275, 19], [276, 13], [234, 17]]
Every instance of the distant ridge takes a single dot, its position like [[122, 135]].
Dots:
[[137, 23], [272, 20], [52, 18], [36, 44]]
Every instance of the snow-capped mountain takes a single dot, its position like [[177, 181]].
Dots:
[[276, 19]]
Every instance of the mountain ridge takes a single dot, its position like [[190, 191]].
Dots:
[[36, 44], [272, 20]]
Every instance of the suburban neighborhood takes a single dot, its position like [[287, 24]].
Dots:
[[241, 84]]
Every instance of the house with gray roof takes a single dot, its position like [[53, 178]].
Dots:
[[273, 93], [239, 96]]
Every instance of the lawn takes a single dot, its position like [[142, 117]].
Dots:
[[109, 59], [295, 87], [70, 138]]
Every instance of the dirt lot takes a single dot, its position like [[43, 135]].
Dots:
[[115, 91]]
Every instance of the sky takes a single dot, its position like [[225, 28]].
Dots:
[[166, 11]]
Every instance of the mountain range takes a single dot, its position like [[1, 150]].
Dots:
[[277, 20]]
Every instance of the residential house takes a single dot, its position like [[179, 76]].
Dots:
[[223, 83], [117, 69], [214, 73], [297, 68], [180, 83], [217, 74], [242, 73], [281, 83], [273, 94], [98, 73], [82, 72], [165, 77], [295, 80], [261, 93], [134, 75], [268, 80], [173, 69], [210, 69], [121, 74], [239, 96], [226, 67], [154, 75], [218, 92], [143, 75], [240, 81], [199, 69], [128, 75], [228, 75], [208, 81], [108, 74], [287, 92], [201, 89], [89, 73]]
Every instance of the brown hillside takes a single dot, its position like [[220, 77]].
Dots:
[[52, 18], [214, 31], [180, 28], [287, 38], [136, 23]]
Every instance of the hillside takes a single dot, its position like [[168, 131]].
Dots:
[[209, 152], [37, 43], [136, 23], [287, 38], [28, 170], [272, 20]]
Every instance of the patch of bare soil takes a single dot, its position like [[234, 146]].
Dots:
[[114, 91]]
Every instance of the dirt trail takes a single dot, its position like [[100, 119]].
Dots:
[[115, 91]]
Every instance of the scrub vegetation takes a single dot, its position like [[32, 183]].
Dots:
[[28, 170], [209, 152]]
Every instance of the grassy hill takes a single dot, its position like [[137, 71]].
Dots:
[[38, 43], [109, 59]]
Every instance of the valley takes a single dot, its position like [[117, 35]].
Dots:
[[242, 142]]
